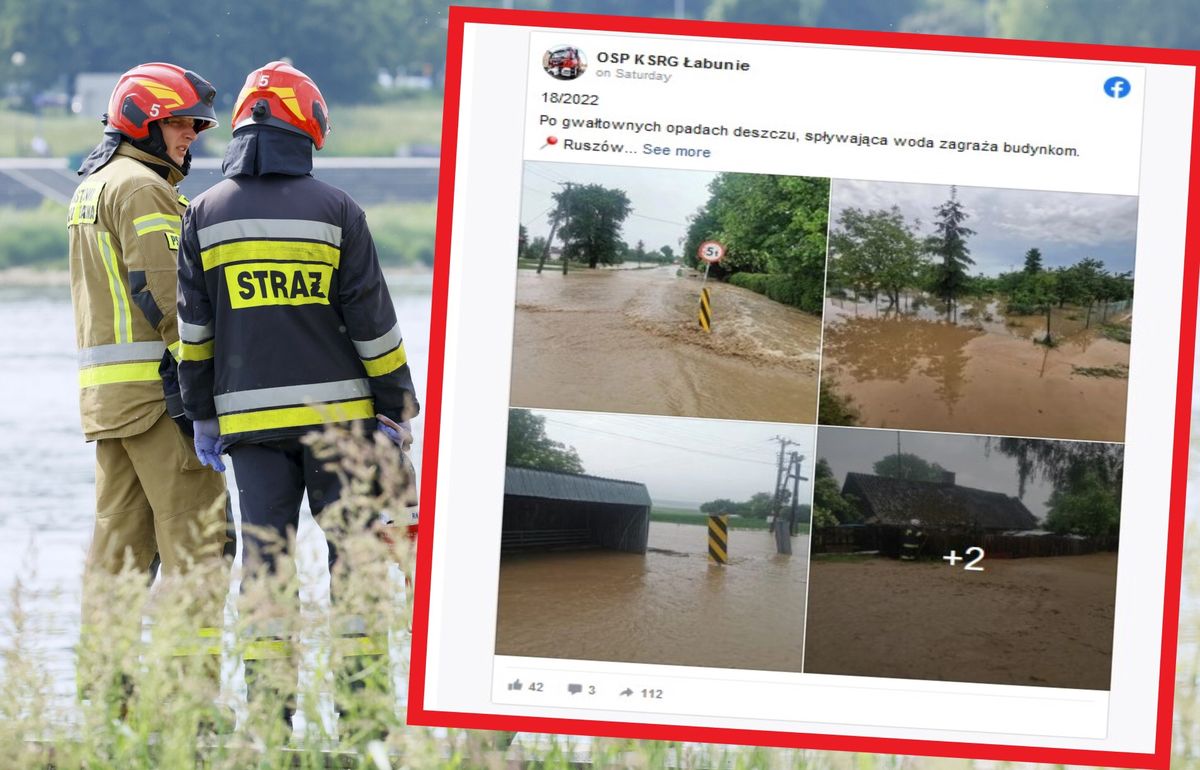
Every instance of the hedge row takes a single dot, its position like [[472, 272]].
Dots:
[[34, 236], [403, 234], [781, 288]]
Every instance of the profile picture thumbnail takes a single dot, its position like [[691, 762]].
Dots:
[[564, 62]]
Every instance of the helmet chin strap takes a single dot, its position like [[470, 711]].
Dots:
[[155, 145]]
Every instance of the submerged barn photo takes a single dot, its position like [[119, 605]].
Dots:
[[546, 510]]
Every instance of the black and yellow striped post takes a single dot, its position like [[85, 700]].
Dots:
[[718, 538], [705, 311]]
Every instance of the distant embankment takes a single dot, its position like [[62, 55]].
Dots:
[[26, 182]]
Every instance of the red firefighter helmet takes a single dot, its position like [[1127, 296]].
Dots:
[[278, 94], [157, 90]]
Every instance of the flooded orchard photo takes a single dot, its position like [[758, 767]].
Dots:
[[655, 540], [609, 309], [978, 310], [964, 558]]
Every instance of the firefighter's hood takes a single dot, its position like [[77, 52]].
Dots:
[[257, 150], [116, 144]]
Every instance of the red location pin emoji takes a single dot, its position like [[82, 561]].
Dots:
[[549, 141]]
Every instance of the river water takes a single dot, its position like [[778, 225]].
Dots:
[[47, 471], [669, 602]]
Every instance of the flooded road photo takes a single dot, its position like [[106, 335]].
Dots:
[[629, 341], [669, 606], [981, 374]]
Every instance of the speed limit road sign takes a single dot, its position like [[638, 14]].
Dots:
[[711, 252]]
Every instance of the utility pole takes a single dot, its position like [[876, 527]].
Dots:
[[783, 539], [558, 214], [794, 475]]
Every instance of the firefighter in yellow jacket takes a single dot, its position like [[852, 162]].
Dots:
[[152, 493]]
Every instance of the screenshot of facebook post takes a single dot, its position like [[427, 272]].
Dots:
[[808, 394]]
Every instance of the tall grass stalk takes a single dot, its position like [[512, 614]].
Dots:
[[146, 706]]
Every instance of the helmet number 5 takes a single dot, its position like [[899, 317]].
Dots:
[[154, 110], [263, 81]]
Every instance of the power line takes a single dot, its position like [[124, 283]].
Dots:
[[547, 177], [539, 216], [627, 437], [656, 219]]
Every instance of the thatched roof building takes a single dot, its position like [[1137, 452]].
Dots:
[[936, 505]]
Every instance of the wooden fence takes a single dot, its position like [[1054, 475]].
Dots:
[[937, 543]]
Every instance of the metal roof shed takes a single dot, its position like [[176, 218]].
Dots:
[[546, 510]]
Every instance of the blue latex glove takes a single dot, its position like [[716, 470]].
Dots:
[[399, 432], [207, 440]]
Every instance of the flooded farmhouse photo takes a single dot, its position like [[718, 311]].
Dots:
[[964, 558]]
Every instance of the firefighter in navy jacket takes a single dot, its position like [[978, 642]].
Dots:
[[285, 320]]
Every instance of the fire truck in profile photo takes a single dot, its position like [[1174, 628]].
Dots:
[[564, 62]]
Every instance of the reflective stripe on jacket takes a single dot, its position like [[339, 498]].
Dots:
[[285, 319], [123, 224]]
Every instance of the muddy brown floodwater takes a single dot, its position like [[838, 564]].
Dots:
[[629, 341], [1038, 621], [983, 374], [669, 606]]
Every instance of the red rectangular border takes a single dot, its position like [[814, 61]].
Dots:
[[417, 715]]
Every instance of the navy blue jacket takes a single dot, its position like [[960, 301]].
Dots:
[[285, 320]]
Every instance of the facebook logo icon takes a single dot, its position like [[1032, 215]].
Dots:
[[1117, 87]]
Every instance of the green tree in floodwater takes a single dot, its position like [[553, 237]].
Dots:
[[949, 248], [530, 447], [876, 249], [1033, 261], [590, 219]]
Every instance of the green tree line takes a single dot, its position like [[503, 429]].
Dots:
[[773, 229], [343, 45], [878, 254]]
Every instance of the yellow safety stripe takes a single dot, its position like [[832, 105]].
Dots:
[[267, 649], [157, 223], [175, 347], [246, 251], [296, 416], [200, 647], [122, 318], [187, 651], [355, 646], [110, 374], [377, 367], [192, 351]]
